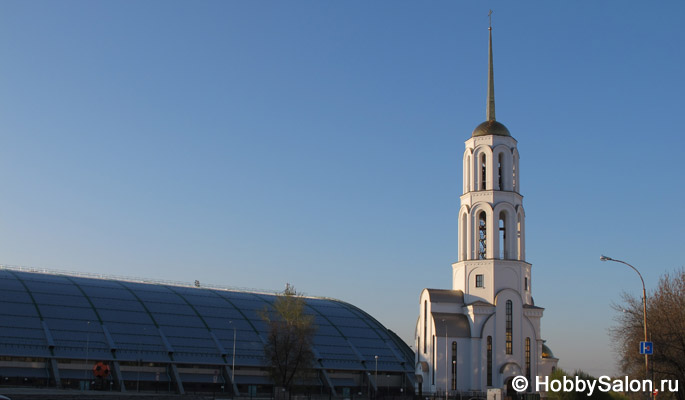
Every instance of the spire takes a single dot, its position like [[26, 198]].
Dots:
[[490, 126], [490, 113]]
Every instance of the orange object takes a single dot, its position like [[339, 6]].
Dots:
[[101, 370]]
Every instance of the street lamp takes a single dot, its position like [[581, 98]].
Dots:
[[375, 378], [446, 392], [644, 303], [454, 374], [85, 372], [368, 386], [233, 366]]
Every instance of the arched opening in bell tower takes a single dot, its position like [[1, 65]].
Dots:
[[463, 252], [519, 239], [503, 247], [483, 172], [515, 173], [482, 235], [500, 184]]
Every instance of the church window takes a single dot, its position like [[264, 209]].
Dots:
[[499, 171], [515, 181], [479, 280], [468, 174], [462, 236], [433, 351], [503, 248], [525, 283], [509, 338], [482, 233], [454, 365], [483, 173], [528, 358], [425, 324], [519, 248], [489, 361]]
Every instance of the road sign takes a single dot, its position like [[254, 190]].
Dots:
[[646, 348]]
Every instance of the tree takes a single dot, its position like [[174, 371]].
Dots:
[[665, 328], [288, 349]]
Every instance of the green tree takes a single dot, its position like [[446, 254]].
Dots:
[[288, 348], [665, 328], [557, 375]]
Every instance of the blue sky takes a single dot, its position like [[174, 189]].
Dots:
[[256, 143]]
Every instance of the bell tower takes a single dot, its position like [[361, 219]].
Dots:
[[486, 328], [491, 217]]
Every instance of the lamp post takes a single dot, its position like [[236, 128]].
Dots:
[[368, 384], [85, 372], [644, 303], [445, 322], [375, 378], [233, 365], [454, 373]]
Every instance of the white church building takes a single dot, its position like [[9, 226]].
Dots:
[[486, 330]]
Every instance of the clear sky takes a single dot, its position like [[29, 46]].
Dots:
[[254, 143]]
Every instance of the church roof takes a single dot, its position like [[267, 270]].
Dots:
[[446, 296], [547, 352], [491, 128], [457, 325], [480, 303]]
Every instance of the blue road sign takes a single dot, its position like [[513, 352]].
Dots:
[[646, 348]]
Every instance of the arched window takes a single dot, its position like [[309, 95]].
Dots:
[[468, 178], [464, 227], [514, 174], [503, 248], [482, 235], [499, 171], [509, 330], [483, 173], [433, 351], [454, 365], [425, 324], [519, 242], [528, 357], [489, 372]]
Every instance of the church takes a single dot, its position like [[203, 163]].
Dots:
[[486, 330]]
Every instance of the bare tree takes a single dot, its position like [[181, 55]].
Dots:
[[288, 349], [666, 329]]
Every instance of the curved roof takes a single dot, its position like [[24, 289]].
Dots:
[[491, 128], [63, 316], [445, 296], [546, 352], [457, 325]]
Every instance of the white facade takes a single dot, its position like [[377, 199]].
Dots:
[[485, 330]]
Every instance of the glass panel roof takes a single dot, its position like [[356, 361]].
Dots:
[[75, 310]]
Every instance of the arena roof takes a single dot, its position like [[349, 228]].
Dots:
[[64, 316]]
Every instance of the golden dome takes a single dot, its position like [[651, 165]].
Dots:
[[490, 128]]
